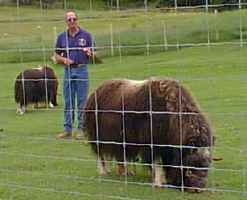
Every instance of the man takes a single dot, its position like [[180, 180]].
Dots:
[[73, 49]]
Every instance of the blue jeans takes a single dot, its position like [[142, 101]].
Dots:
[[76, 84]]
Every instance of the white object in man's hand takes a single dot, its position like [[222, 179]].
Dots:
[[88, 51], [92, 54]]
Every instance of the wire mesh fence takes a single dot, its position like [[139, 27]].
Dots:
[[201, 44]]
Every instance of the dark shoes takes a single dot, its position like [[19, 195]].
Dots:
[[65, 134]]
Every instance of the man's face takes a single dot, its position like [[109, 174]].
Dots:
[[71, 20]]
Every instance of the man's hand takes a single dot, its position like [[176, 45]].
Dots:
[[68, 61], [92, 54], [63, 60], [88, 51]]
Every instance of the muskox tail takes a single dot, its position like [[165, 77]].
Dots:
[[18, 89]]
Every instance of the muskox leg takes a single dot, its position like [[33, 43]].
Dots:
[[24, 109], [123, 152], [21, 110], [158, 174], [54, 99], [123, 170], [102, 170]]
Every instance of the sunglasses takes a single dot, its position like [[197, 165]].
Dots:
[[71, 19]]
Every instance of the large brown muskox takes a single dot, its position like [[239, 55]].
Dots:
[[36, 85], [156, 120]]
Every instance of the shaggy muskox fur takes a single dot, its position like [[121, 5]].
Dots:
[[35, 86], [156, 120]]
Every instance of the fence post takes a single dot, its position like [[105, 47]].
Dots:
[[217, 34], [55, 39], [112, 45], [165, 36]]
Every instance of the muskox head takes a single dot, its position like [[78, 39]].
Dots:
[[196, 167], [198, 159], [195, 160], [193, 171]]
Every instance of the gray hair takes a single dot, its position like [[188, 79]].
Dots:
[[65, 16]]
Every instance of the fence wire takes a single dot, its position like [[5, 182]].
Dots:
[[115, 46]]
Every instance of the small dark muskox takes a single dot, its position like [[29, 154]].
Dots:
[[175, 134], [34, 86]]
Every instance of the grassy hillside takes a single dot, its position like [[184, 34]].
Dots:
[[34, 165]]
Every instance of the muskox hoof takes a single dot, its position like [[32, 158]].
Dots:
[[159, 181], [192, 190], [35, 106], [19, 111], [104, 172], [158, 175], [51, 105], [158, 185], [124, 171]]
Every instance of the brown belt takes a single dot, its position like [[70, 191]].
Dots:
[[76, 65]]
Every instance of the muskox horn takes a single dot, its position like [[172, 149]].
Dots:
[[204, 151], [217, 159]]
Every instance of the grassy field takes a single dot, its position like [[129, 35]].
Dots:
[[34, 165]]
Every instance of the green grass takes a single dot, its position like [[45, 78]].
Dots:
[[34, 165]]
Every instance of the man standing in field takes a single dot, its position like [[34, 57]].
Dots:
[[73, 49]]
